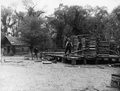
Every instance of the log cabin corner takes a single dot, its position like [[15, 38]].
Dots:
[[13, 46]]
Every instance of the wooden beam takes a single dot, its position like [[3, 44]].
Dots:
[[73, 62]]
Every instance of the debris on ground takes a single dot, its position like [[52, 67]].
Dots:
[[38, 61], [100, 66], [19, 61], [26, 58], [78, 66], [114, 65], [91, 88], [47, 62], [46, 76], [54, 61], [43, 59]]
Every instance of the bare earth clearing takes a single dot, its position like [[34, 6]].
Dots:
[[17, 74]]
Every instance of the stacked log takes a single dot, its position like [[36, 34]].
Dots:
[[92, 46], [103, 48], [75, 43]]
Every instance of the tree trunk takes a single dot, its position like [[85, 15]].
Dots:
[[31, 50]]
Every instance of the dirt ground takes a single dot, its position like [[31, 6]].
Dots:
[[17, 74]]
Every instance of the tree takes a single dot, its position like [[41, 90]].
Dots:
[[116, 11], [68, 21], [8, 19], [32, 30], [115, 24], [96, 23], [58, 23], [77, 19]]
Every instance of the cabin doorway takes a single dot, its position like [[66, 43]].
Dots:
[[8, 49]]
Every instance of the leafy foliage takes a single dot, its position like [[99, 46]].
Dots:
[[75, 20], [65, 22], [32, 32], [8, 19]]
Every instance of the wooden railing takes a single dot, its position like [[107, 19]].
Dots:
[[55, 50]]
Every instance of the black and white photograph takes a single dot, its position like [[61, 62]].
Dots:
[[60, 45]]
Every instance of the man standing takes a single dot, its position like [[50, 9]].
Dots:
[[79, 47], [68, 46], [36, 52]]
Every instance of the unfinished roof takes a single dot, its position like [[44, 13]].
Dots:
[[15, 40]]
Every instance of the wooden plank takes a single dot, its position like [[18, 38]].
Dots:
[[85, 61], [115, 80], [73, 58], [114, 56], [47, 62], [103, 55], [53, 55]]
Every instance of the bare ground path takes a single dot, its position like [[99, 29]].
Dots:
[[17, 74]]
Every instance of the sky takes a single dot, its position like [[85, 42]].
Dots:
[[49, 5]]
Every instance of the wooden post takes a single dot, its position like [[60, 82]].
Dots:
[[63, 60], [55, 61], [96, 61], [73, 62], [60, 59], [85, 62]]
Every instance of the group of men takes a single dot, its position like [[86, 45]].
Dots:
[[68, 47]]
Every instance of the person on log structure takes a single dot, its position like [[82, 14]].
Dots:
[[68, 46], [36, 52], [79, 47], [118, 49]]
